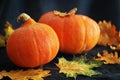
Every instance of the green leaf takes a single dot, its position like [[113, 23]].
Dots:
[[78, 66]]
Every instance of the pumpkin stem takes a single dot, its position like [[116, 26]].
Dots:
[[72, 11], [62, 14], [24, 17]]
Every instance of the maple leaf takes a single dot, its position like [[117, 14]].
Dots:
[[2, 41], [109, 58], [8, 30], [78, 66], [30, 74], [109, 35]]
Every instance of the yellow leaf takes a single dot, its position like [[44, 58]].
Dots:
[[109, 58], [78, 66], [30, 74], [8, 30]]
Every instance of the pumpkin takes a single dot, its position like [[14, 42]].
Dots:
[[77, 33], [32, 44]]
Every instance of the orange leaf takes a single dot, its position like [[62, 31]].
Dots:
[[30, 74], [109, 58], [109, 35]]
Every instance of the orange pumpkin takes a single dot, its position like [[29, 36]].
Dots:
[[32, 44], [76, 33]]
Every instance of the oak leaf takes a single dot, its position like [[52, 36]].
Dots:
[[78, 66], [30, 74], [109, 58], [109, 35]]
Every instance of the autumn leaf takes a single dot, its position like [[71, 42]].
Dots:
[[8, 30], [109, 35], [30, 74], [2, 41], [109, 58], [78, 66]]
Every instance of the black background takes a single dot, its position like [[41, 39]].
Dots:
[[97, 9]]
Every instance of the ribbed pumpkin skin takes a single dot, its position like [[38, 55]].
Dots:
[[32, 45], [77, 33]]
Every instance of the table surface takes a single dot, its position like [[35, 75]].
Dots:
[[109, 72]]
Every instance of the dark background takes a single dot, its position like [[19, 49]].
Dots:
[[97, 9]]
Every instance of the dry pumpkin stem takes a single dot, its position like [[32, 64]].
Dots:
[[73, 11], [23, 17], [62, 14]]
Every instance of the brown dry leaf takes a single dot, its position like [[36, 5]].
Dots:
[[2, 41], [109, 35], [109, 58], [30, 74]]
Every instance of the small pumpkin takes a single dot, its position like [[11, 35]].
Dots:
[[77, 33], [33, 44]]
